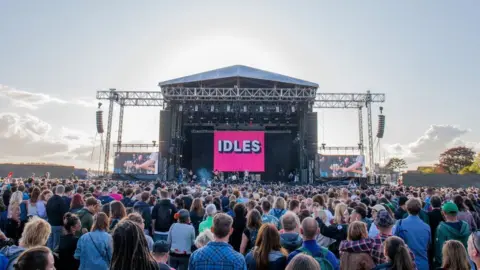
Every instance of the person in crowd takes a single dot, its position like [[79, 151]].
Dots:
[[196, 214], [92, 206], [181, 238], [186, 198], [162, 216], [279, 208], [303, 262], [397, 254], [203, 239], [128, 201], [45, 196], [451, 229], [473, 249], [266, 217], [239, 225], [36, 207], [290, 238], [218, 254], [56, 209], [435, 216], [36, 233], [117, 213], [94, 249], [294, 206], [67, 196], [105, 198], [225, 200], [250, 234], [210, 210], [137, 218], [160, 252], [14, 228], [463, 213], [38, 258], [267, 254], [76, 204], [415, 232], [310, 247], [337, 230], [354, 260], [115, 195], [68, 243], [402, 208], [455, 256], [131, 250]]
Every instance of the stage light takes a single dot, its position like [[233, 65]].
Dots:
[[293, 109], [180, 108], [277, 109], [261, 108], [196, 108], [212, 108], [244, 108], [228, 108]]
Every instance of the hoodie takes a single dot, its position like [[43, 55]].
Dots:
[[276, 260], [143, 209], [459, 230], [12, 253], [291, 241]]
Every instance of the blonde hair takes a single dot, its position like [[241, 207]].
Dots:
[[204, 238], [339, 213], [304, 262], [16, 198], [454, 256], [280, 203], [36, 233]]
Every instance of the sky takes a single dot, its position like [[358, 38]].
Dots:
[[55, 55]]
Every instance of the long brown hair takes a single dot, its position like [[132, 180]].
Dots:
[[454, 256], [197, 207], [268, 240], [100, 222], [357, 231], [397, 252], [117, 210], [254, 220], [35, 195]]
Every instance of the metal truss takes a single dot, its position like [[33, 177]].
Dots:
[[346, 100], [239, 94], [339, 148], [135, 145], [133, 98]]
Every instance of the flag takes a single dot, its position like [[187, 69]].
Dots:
[[10, 174]]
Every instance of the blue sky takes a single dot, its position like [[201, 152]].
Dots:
[[424, 55]]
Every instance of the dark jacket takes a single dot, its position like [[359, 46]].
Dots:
[[65, 250], [239, 225], [163, 214], [276, 261], [105, 199], [56, 208], [291, 241], [86, 218], [195, 220], [450, 231], [187, 201], [144, 209], [400, 213], [127, 202], [225, 203], [336, 232]]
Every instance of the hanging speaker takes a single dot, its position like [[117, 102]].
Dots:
[[99, 121], [381, 126]]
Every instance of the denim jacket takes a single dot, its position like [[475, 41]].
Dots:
[[94, 250]]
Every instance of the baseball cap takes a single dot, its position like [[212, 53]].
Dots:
[[384, 220], [161, 247], [450, 207], [378, 207]]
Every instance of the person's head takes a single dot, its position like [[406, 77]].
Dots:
[[59, 190], [160, 251], [303, 262], [358, 214], [131, 248], [384, 222], [474, 246], [357, 231], [450, 211], [294, 206], [454, 256], [100, 222], [16, 197], [290, 222], [92, 204], [197, 207], [254, 220], [414, 206], [46, 195], [77, 201], [117, 210], [71, 223], [211, 210], [38, 258], [137, 218], [183, 216], [436, 202], [266, 206], [204, 238], [240, 210], [280, 203], [309, 228], [222, 226], [397, 253], [36, 233], [164, 194], [376, 208], [145, 196], [35, 195], [268, 240]]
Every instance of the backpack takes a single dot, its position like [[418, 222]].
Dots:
[[164, 216], [321, 257]]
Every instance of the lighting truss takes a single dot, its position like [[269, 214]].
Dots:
[[346, 100]]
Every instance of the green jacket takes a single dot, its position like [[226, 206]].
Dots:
[[86, 218], [205, 225], [446, 232]]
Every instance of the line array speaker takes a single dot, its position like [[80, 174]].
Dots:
[[381, 126], [99, 121]]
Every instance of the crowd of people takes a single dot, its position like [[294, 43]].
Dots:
[[63, 224]]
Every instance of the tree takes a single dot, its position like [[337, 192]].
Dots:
[[396, 164], [455, 159], [474, 168]]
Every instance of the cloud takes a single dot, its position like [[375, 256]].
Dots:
[[429, 146], [33, 101]]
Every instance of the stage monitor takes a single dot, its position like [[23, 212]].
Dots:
[[136, 163], [342, 166], [239, 151]]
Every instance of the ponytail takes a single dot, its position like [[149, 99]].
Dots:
[[69, 221], [402, 259]]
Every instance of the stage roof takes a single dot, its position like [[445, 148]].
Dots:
[[238, 71]]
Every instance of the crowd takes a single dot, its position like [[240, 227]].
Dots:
[[62, 224]]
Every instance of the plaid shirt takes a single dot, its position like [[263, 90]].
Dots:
[[217, 255], [374, 246]]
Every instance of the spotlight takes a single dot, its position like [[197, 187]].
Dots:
[[212, 108], [196, 108]]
